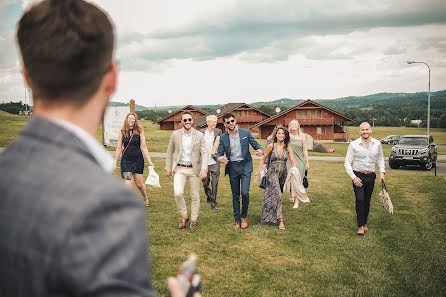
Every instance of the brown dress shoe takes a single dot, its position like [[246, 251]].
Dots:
[[244, 223], [193, 224], [237, 225], [183, 223], [360, 231]]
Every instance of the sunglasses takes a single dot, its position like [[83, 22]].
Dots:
[[187, 120], [231, 121]]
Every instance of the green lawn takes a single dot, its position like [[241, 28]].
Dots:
[[318, 254], [403, 254]]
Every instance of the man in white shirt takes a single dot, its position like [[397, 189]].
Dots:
[[212, 138], [364, 152], [187, 158]]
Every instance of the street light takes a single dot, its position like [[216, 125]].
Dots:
[[429, 94]]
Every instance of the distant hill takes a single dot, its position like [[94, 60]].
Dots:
[[137, 107]]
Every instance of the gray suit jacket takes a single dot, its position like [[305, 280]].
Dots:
[[67, 228], [199, 155]]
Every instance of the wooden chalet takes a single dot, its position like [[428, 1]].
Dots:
[[173, 120], [320, 122], [245, 114]]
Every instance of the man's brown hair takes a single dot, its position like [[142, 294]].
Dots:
[[66, 48]]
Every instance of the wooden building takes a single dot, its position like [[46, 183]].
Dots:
[[320, 122], [172, 121], [245, 114]]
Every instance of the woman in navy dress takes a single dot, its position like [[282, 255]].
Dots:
[[132, 146]]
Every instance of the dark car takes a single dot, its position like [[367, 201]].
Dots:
[[391, 139], [419, 150]]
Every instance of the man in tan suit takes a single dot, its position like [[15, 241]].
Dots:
[[187, 158]]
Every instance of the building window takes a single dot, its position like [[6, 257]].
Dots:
[[320, 130], [316, 114], [237, 113], [301, 114], [248, 113]]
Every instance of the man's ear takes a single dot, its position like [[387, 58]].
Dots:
[[111, 79]]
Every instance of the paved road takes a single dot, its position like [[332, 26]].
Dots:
[[441, 167]]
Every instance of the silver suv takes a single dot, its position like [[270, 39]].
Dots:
[[418, 150]]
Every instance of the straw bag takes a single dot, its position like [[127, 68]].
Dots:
[[385, 198]]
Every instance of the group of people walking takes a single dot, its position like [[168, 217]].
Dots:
[[195, 156]]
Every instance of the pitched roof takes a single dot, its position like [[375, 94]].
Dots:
[[181, 110], [227, 108], [297, 107]]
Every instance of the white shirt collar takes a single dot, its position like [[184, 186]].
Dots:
[[101, 155]]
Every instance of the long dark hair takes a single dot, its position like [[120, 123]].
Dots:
[[287, 135]]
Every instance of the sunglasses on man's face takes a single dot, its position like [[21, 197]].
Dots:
[[187, 120], [231, 121]]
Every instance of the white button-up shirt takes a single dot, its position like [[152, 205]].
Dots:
[[186, 148], [209, 139], [364, 158]]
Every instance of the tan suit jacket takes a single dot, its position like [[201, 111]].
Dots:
[[199, 154]]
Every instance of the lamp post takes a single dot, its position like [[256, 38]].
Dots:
[[429, 93]]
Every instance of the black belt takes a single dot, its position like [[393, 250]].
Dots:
[[182, 165], [239, 161]]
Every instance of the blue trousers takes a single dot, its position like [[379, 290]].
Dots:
[[240, 182]]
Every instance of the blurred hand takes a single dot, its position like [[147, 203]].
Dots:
[[114, 169], [223, 160], [169, 173], [307, 166], [382, 176], [357, 181], [256, 176], [175, 290], [259, 152], [151, 164], [203, 173]]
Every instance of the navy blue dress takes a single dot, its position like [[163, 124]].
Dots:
[[132, 160]]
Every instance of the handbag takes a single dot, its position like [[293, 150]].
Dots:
[[153, 178], [385, 198], [263, 182], [305, 180]]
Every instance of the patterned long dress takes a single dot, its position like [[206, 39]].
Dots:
[[275, 180]]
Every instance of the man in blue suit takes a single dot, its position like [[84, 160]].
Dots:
[[234, 152]]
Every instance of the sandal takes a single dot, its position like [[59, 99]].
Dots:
[[146, 203], [281, 225]]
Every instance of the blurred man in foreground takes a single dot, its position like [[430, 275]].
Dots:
[[67, 226]]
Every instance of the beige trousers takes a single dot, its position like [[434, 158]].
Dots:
[[181, 175]]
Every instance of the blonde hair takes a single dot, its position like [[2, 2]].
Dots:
[[299, 130], [211, 117], [137, 129]]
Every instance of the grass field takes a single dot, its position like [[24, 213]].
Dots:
[[318, 254]]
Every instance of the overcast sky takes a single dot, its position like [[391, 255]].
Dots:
[[216, 52]]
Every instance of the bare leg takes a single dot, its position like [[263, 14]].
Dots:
[[141, 187], [281, 225]]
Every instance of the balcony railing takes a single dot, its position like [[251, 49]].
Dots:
[[312, 122], [253, 119], [340, 137]]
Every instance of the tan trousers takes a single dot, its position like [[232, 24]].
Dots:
[[181, 175]]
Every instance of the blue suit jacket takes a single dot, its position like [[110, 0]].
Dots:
[[245, 139]]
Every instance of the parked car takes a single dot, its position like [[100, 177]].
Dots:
[[391, 139], [418, 150]]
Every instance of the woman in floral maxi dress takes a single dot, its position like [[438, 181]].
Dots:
[[275, 176]]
